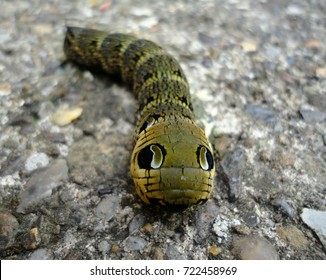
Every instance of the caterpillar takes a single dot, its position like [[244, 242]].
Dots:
[[172, 162]]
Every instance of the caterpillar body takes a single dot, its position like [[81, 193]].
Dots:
[[172, 161]]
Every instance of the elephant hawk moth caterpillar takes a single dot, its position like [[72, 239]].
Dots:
[[172, 162]]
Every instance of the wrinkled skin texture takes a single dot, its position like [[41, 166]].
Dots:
[[172, 162]]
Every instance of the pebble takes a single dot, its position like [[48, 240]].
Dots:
[[42, 183], [261, 113], [66, 116], [266, 181], [312, 44], [242, 229], [33, 239], [136, 223], [35, 161], [205, 216], [313, 116], [40, 254], [248, 47], [172, 253], [108, 207], [135, 243], [294, 10], [221, 228], [316, 220], [43, 29], [4, 37], [321, 72], [148, 228], [8, 228], [207, 39], [253, 248], [292, 236], [214, 250], [315, 98], [5, 89], [221, 144], [158, 254], [104, 248], [284, 207], [115, 248], [231, 164], [54, 137], [251, 218], [287, 158]]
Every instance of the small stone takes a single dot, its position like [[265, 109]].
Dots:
[[105, 5], [312, 44], [313, 116], [242, 229], [158, 254], [35, 161], [287, 159], [135, 243], [250, 218], [172, 253], [221, 144], [214, 250], [40, 254], [253, 248], [316, 220], [248, 47], [321, 72], [33, 240], [115, 248], [207, 39], [232, 164], [292, 236], [221, 228], [8, 228], [285, 208], [54, 137], [4, 37], [136, 223], [205, 216], [66, 116], [148, 22], [5, 89], [284, 140], [108, 208], [43, 29], [141, 11], [261, 113], [266, 182], [266, 155], [294, 10], [148, 228], [104, 247], [42, 183]]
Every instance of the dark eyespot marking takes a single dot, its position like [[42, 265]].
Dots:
[[205, 158], [151, 157]]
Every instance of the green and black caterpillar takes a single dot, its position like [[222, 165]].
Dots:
[[172, 162]]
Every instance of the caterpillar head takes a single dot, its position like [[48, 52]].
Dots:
[[172, 163]]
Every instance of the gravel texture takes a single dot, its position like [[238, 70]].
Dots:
[[257, 74]]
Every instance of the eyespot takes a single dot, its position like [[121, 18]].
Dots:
[[151, 157], [149, 122], [205, 158]]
